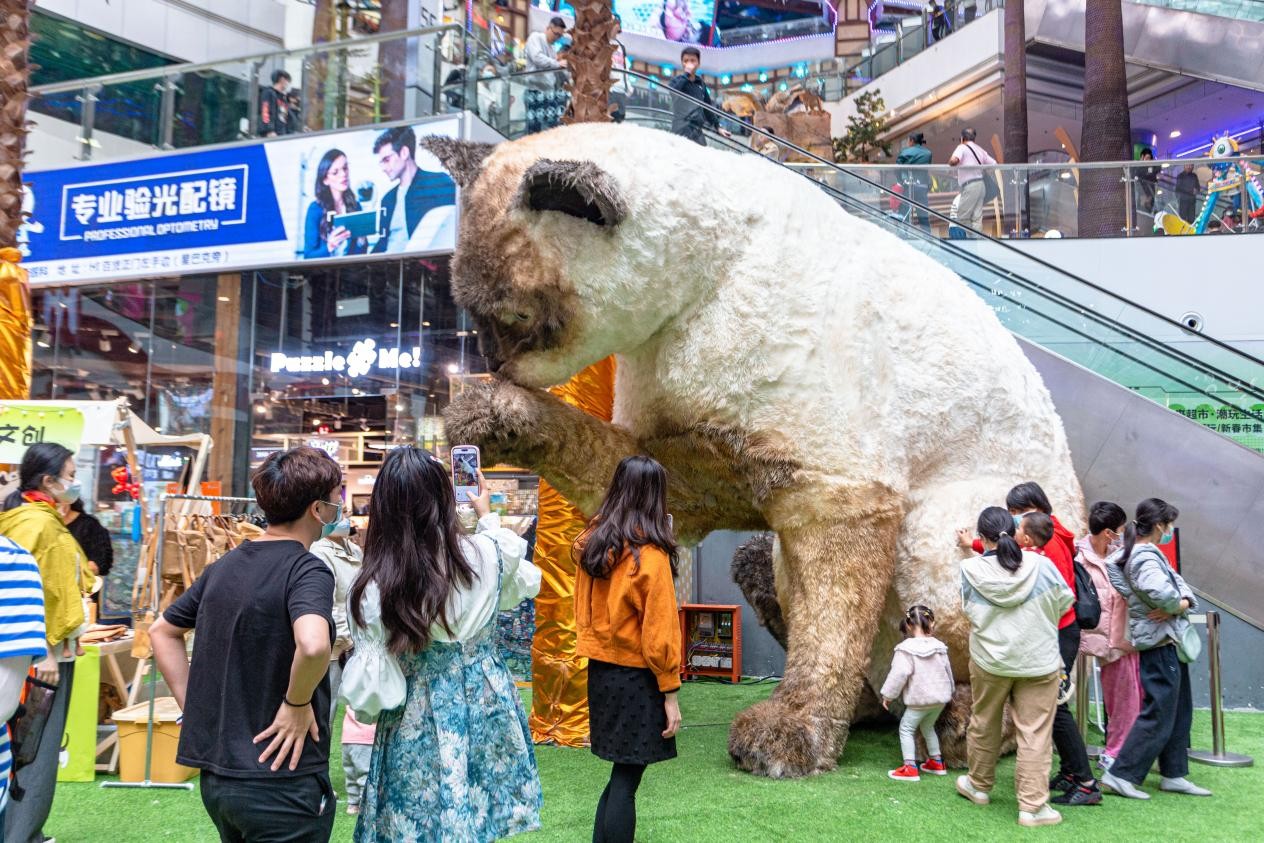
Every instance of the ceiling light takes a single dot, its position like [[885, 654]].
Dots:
[[324, 381], [425, 324], [42, 344], [454, 369], [394, 324], [1176, 133], [224, 298], [355, 392], [315, 422], [400, 407], [133, 349], [260, 409]]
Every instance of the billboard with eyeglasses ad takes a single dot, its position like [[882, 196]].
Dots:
[[350, 195]]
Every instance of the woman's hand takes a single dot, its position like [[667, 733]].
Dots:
[[1160, 616], [337, 236], [965, 540], [672, 708], [483, 502]]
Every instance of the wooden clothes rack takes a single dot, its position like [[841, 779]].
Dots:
[[141, 646]]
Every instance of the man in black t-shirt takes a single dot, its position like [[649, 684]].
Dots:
[[256, 697]]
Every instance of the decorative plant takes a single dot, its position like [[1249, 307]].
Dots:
[[864, 130]]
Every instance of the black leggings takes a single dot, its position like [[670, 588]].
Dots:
[[616, 812]]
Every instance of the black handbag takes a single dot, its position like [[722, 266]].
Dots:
[[990, 191], [27, 725], [1088, 606]]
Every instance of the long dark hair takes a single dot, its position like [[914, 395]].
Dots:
[[997, 525], [1151, 512], [43, 459], [633, 515], [325, 196], [413, 549]]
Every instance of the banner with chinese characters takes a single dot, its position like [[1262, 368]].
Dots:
[[351, 195], [21, 427]]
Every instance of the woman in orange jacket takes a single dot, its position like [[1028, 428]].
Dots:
[[625, 612]]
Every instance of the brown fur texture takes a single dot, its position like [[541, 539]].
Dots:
[[462, 159], [752, 571], [579, 188]]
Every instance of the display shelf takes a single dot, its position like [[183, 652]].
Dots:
[[711, 641]]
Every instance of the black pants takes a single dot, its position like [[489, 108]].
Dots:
[[920, 194], [24, 820], [692, 132], [616, 812], [1067, 740], [273, 810], [1188, 207], [1162, 729]]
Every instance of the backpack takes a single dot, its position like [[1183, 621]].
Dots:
[[1088, 607]]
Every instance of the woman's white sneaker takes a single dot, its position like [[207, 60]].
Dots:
[[1119, 787], [1182, 785]]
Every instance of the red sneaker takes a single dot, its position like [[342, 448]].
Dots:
[[907, 773], [935, 768]]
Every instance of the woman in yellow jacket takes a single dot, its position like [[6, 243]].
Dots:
[[625, 613], [31, 519]]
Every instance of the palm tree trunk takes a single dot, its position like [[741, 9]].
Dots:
[[1015, 95], [589, 62], [393, 58], [15, 310], [1107, 128]]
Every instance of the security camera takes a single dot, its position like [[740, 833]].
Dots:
[[1192, 321]]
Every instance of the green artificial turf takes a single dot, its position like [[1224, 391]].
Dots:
[[701, 797]]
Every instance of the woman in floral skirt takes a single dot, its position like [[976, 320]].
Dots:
[[455, 761]]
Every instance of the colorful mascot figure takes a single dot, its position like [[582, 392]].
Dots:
[[1231, 178]]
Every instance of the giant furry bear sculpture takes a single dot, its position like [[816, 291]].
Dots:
[[796, 370]]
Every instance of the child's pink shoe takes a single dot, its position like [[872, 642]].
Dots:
[[906, 773], [935, 768]]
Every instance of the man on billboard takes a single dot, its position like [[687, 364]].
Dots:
[[421, 191]]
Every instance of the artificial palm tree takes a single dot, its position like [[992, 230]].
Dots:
[[1107, 130], [15, 78], [589, 62], [1015, 95]]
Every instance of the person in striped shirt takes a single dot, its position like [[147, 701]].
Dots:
[[21, 641]]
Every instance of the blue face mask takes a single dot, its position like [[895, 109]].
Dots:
[[342, 529], [1167, 538], [327, 530], [1018, 521]]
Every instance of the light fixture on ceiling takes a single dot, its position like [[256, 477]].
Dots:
[[324, 381], [260, 409], [133, 349], [315, 422], [1175, 133], [425, 324], [42, 343], [454, 369], [224, 298]]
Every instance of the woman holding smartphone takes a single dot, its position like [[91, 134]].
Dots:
[[455, 760], [321, 238], [625, 612]]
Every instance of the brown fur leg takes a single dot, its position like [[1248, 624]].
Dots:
[[529, 427], [839, 555]]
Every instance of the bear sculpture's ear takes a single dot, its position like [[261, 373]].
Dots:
[[462, 159], [576, 188]]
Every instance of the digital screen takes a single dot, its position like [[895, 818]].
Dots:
[[685, 21], [465, 468]]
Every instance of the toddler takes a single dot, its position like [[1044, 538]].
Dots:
[[921, 674], [357, 750]]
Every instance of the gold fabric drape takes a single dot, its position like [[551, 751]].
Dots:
[[559, 678], [15, 327]]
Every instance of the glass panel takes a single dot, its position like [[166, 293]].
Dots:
[[212, 106], [127, 118]]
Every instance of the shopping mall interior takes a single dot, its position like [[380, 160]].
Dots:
[[239, 236]]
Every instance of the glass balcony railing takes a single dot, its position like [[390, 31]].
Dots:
[[1209, 381], [1236, 9], [334, 86]]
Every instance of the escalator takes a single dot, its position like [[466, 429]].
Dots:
[[1115, 385]]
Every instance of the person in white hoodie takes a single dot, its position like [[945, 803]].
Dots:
[[1013, 600], [922, 675]]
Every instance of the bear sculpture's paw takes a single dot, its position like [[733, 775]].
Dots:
[[497, 416], [775, 740]]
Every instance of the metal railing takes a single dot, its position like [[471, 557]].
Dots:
[[336, 84]]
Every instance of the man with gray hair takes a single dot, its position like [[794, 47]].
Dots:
[[969, 158]]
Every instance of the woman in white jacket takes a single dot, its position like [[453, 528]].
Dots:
[[1013, 600], [452, 758]]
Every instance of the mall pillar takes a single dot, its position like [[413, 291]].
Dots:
[[851, 35], [224, 398], [559, 678]]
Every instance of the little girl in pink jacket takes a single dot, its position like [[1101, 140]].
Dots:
[[922, 675]]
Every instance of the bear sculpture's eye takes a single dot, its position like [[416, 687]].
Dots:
[[522, 317]]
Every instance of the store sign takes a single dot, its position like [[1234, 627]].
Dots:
[[330, 446], [242, 206], [363, 358], [21, 427]]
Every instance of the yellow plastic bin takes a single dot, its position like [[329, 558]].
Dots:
[[132, 724]]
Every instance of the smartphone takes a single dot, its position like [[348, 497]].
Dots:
[[465, 467]]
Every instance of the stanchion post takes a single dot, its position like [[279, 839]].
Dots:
[[1082, 674], [1218, 757]]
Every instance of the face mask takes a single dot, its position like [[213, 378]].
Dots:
[[327, 530], [69, 494], [1018, 521], [1167, 538], [342, 529]]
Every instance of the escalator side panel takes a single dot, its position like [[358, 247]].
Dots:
[[1127, 448]]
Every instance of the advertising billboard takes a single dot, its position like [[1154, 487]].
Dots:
[[349, 195], [686, 21]]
